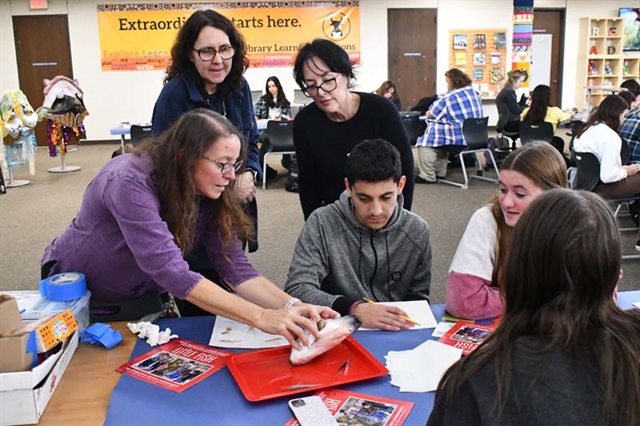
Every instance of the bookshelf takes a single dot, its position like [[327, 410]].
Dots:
[[602, 64]]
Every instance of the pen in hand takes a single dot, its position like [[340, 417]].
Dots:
[[404, 317]]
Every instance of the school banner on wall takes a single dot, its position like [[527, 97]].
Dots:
[[138, 37]]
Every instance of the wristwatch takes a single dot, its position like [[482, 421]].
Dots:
[[255, 175]]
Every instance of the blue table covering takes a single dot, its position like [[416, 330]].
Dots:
[[218, 399]]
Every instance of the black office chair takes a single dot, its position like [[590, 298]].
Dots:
[[586, 179], [280, 140], [139, 132], [411, 121], [476, 135], [503, 119], [538, 132]]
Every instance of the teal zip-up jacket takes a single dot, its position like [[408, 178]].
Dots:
[[338, 261]]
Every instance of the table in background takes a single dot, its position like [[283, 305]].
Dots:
[[123, 130], [84, 391]]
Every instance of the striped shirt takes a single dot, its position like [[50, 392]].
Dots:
[[449, 112], [630, 133]]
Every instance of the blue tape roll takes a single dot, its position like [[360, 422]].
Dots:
[[64, 287]]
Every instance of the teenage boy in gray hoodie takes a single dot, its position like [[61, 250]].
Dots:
[[365, 245]]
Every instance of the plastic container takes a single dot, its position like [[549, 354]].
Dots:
[[33, 307]]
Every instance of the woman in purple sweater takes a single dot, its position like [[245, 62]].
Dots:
[[142, 212]]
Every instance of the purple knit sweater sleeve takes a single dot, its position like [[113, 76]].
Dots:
[[136, 209], [230, 263]]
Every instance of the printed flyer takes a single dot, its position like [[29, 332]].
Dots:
[[176, 365]]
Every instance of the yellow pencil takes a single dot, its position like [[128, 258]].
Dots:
[[404, 317]]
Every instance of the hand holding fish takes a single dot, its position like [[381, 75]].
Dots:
[[292, 322], [381, 316]]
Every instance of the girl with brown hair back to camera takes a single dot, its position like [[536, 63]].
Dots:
[[564, 352]]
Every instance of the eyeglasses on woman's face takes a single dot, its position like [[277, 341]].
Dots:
[[326, 86], [225, 167], [208, 53]]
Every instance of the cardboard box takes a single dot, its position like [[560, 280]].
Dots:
[[13, 350], [24, 395], [14, 355], [9, 314]]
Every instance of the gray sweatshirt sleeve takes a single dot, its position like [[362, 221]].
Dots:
[[420, 286], [310, 265]]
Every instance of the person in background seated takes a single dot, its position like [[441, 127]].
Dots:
[[630, 132], [509, 108], [599, 137], [327, 130], [273, 105], [388, 90], [143, 210], [473, 283], [564, 352], [444, 125], [365, 245], [632, 86], [540, 111]]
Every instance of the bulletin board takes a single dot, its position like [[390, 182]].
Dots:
[[482, 55]]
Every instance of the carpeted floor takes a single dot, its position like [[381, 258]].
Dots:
[[35, 214]]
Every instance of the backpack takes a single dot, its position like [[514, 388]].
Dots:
[[291, 184], [496, 143]]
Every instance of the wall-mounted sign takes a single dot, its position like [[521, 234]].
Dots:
[[138, 37]]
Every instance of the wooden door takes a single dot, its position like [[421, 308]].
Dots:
[[43, 51], [412, 53], [546, 21]]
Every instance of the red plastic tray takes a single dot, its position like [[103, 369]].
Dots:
[[262, 374]]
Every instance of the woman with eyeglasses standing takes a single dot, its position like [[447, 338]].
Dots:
[[208, 60], [142, 211], [325, 131]]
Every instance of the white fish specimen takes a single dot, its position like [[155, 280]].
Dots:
[[332, 332]]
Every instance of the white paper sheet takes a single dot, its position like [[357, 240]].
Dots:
[[417, 310], [637, 304], [228, 333], [420, 369]]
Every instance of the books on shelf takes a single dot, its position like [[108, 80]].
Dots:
[[349, 407], [176, 365]]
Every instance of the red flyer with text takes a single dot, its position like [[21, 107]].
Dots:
[[176, 365], [352, 408], [467, 335]]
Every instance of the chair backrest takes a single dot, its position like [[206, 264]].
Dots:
[[139, 132], [300, 98], [475, 132], [255, 95], [280, 134], [535, 132], [411, 121], [588, 175]]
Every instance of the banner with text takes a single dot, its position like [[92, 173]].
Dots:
[[138, 37]]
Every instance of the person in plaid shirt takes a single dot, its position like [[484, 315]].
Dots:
[[444, 125], [630, 129]]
